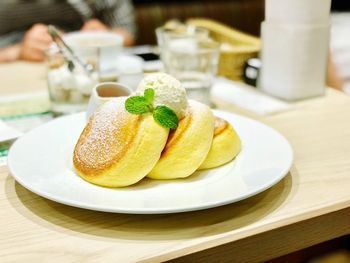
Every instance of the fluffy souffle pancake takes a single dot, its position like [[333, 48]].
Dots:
[[188, 145], [226, 145], [117, 148]]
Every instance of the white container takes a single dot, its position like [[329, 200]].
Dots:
[[298, 12], [104, 92], [294, 60], [104, 47]]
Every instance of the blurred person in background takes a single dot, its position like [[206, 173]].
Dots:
[[23, 23]]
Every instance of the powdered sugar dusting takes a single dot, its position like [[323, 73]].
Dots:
[[108, 137], [219, 122], [198, 107]]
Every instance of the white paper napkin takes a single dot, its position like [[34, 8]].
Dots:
[[297, 12], [247, 97], [8, 133], [294, 60]]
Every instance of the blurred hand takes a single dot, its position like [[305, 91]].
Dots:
[[97, 25], [94, 25], [36, 40]]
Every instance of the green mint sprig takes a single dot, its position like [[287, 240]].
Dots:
[[149, 95], [162, 114], [137, 105]]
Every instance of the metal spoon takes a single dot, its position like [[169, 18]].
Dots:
[[62, 45]]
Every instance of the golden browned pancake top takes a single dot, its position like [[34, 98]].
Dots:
[[184, 124], [175, 135], [219, 126], [108, 135]]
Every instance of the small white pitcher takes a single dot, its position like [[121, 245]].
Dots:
[[103, 92]]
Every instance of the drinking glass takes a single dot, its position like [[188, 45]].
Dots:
[[163, 34], [69, 86], [193, 61]]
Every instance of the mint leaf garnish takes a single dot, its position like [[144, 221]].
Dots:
[[137, 105], [161, 114], [165, 117], [149, 95]]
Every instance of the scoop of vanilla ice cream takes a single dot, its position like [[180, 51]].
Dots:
[[168, 91]]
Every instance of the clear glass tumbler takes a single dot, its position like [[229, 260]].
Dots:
[[163, 34], [69, 86], [193, 61]]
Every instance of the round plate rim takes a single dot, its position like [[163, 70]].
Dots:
[[78, 204]]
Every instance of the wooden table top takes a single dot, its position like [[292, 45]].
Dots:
[[311, 205]]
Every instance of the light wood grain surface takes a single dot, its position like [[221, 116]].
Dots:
[[22, 77], [311, 205]]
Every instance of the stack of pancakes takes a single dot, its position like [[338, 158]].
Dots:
[[117, 148]]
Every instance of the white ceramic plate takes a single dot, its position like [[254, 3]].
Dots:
[[41, 161]]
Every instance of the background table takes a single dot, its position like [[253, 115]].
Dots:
[[311, 205]]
